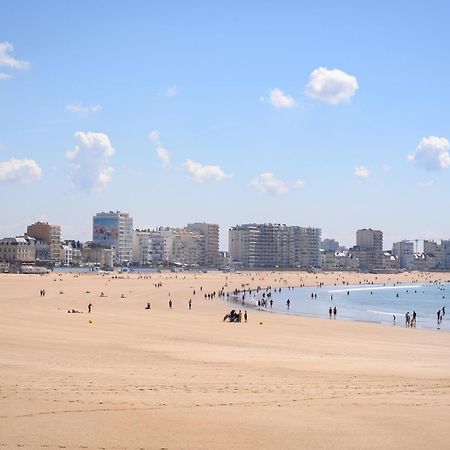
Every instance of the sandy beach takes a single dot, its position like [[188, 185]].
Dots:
[[124, 377]]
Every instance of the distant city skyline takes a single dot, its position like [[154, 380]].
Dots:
[[331, 116]]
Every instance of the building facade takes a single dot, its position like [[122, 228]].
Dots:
[[274, 245], [369, 249], [211, 236], [404, 251], [115, 230], [50, 235]]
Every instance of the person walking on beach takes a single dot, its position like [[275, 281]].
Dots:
[[288, 303], [394, 318], [335, 312], [439, 316], [407, 318], [190, 304], [170, 303], [330, 311], [245, 316], [89, 307]]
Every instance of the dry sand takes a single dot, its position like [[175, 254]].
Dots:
[[176, 378]]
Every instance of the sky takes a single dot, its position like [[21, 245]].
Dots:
[[326, 114]]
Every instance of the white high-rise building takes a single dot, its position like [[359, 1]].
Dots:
[[114, 229], [211, 233], [369, 249], [404, 251], [142, 247], [274, 245]]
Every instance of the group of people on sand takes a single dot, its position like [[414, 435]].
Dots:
[[42, 293], [236, 316]]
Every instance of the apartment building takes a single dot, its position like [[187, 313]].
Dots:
[[210, 232], [115, 230], [274, 245], [404, 251], [50, 237]]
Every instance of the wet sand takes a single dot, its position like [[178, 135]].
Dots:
[[176, 378]]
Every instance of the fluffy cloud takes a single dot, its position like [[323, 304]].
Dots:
[[362, 173], [163, 155], [26, 170], [299, 184], [202, 172], [82, 110], [432, 153], [280, 100], [7, 60], [266, 182], [90, 161], [5, 76], [172, 91], [331, 86]]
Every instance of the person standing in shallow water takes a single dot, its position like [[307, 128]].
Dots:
[[288, 303], [335, 312], [330, 311]]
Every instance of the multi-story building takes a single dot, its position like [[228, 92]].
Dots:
[[98, 255], [369, 249], [142, 247], [50, 235], [330, 245], [114, 229], [16, 251], [211, 234], [274, 245], [404, 251], [183, 247]]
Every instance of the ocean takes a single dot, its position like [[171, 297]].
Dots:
[[368, 303]]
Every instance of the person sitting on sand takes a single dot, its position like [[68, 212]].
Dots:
[[102, 294], [148, 306], [122, 296]]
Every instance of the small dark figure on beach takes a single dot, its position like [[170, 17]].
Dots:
[[245, 316], [335, 312], [330, 311], [90, 308], [394, 318], [288, 303], [148, 306], [170, 304], [190, 304]]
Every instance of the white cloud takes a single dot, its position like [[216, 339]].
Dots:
[[172, 91], [26, 170], [280, 100], [5, 76], [7, 60], [426, 184], [432, 153], [90, 161], [163, 156], [331, 86], [299, 184], [362, 172], [202, 172], [266, 182], [154, 136], [82, 110]]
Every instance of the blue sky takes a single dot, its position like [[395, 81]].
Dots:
[[260, 111]]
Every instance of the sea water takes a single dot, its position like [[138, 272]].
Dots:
[[371, 303]]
